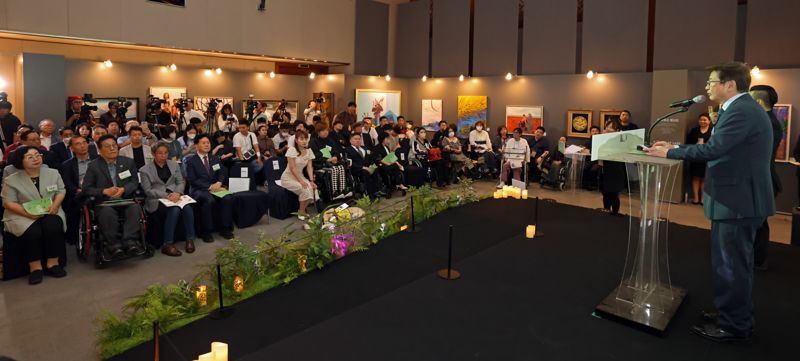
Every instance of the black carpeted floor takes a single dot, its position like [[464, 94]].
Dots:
[[518, 299]]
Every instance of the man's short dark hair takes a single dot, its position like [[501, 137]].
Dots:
[[766, 93], [244, 122], [63, 129], [24, 136], [5, 105], [25, 126], [201, 136], [75, 139], [626, 111], [383, 117], [351, 104], [401, 117], [354, 134], [595, 127], [18, 155], [542, 128], [159, 144], [195, 120], [736, 71], [104, 138], [101, 126], [135, 128]]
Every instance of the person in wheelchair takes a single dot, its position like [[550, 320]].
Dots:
[[162, 179], [363, 167], [515, 151], [205, 175], [428, 156], [327, 151], [457, 160], [72, 173], [329, 164], [480, 146], [43, 235], [389, 166], [112, 177]]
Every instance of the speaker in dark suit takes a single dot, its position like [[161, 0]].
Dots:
[[738, 196], [70, 173], [60, 152]]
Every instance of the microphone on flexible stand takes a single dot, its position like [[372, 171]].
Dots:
[[684, 107], [688, 102]]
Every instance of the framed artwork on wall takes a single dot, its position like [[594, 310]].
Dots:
[[471, 109], [784, 114], [102, 107], [608, 115], [527, 117], [431, 114], [579, 123], [170, 94], [327, 107], [376, 103], [201, 103], [181, 3]]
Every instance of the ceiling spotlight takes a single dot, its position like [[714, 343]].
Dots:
[[331, 77], [218, 71], [163, 69], [272, 75], [509, 76], [108, 64], [590, 74], [312, 75], [2, 84], [424, 78], [388, 77], [260, 75], [755, 72], [207, 72], [173, 67], [461, 77]]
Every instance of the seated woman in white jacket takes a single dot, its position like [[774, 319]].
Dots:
[[515, 152], [480, 143]]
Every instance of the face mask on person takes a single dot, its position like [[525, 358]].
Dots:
[[409, 126], [172, 136], [479, 128], [451, 134], [191, 135]]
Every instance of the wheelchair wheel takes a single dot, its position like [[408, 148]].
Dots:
[[84, 245], [562, 186]]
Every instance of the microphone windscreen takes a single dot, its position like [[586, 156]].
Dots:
[[699, 99]]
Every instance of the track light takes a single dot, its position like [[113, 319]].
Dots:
[[108, 64], [509, 76], [218, 71], [208, 72], [312, 75], [272, 75], [461, 77], [173, 67], [590, 74]]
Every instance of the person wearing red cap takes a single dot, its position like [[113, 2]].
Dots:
[[74, 117]]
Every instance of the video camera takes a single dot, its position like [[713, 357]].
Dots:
[[319, 99], [154, 103], [3, 97], [251, 107], [282, 106], [124, 103], [181, 104], [211, 109], [86, 109]]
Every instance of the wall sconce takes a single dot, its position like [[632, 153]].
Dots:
[[590, 74], [388, 77], [272, 75], [108, 64], [509, 76], [312, 75], [218, 71], [461, 77]]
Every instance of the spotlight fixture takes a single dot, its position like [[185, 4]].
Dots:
[[331, 77], [272, 75], [590, 74], [3, 83], [755, 72], [424, 78], [509, 76], [207, 72], [312, 75], [173, 67], [461, 77], [108, 64], [388, 77], [163, 69], [218, 71]]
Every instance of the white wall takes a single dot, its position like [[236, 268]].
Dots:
[[304, 29]]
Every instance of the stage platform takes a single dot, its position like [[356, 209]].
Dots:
[[517, 299]]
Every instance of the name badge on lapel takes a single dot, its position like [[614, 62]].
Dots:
[[125, 175], [52, 188], [215, 167]]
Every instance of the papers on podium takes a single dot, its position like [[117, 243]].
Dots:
[[181, 202], [607, 146]]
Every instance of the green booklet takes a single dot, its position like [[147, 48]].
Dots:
[[372, 168], [221, 193], [561, 147], [326, 152], [38, 207], [390, 158]]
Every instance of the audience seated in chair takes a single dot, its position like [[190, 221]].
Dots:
[[391, 172], [223, 148], [420, 154], [112, 177], [299, 158], [515, 152], [205, 175], [451, 145], [73, 171], [22, 128], [247, 150], [136, 148], [362, 166], [162, 179], [31, 138], [43, 235], [60, 150], [480, 143], [323, 140]]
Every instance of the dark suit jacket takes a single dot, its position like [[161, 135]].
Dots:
[[199, 179], [538, 147], [60, 152], [97, 178], [358, 161], [777, 135], [738, 182], [71, 176]]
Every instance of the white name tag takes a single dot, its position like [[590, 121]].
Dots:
[[125, 175], [402, 156], [244, 172], [215, 167], [52, 188], [328, 147], [275, 165], [342, 207]]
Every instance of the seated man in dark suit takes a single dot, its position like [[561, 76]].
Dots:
[[205, 174], [72, 172], [112, 177], [60, 150], [360, 167]]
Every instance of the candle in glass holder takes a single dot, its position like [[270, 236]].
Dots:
[[498, 194], [524, 194], [301, 261], [201, 295], [238, 284], [530, 231]]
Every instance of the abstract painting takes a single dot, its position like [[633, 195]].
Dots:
[[784, 114], [527, 117], [431, 114], [376, 103], [471, 109]]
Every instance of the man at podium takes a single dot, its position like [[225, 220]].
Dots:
[[738, 195]]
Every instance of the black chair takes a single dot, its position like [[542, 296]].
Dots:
[[282, 203], [249, 207]]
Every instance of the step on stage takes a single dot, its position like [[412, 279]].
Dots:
[[517, 298]]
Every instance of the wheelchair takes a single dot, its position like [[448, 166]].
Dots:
[[554, 172], [90, 239], [335, 183]]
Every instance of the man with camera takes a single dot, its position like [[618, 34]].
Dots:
[[261, 113], [78, 113], [112, 114], [190, 114], [8, 122], [312, 110], [347, 116]]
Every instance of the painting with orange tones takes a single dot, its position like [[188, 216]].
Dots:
[[526, 117], [471, 109]]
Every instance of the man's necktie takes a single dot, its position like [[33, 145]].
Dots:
[[205, 164]]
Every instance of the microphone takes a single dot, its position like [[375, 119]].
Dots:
[[688, 102]]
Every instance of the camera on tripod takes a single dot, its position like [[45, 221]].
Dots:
[[181, 105], [251, 107], [319, 100], [86, 109], [154, 103], [123, 104], [211, 109], [282, 105]]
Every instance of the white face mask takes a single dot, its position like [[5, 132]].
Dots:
[[409, 126], [284, 134], [191, 135], [479, 128], [451, 134], [172, 136]]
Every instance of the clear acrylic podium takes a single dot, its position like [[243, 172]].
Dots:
[[645, 297]]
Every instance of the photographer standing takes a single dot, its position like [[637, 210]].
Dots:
[[112, 114], [347, 116], [75, 115], [8, 122], [310, 112], [227, 121], [190, 114]]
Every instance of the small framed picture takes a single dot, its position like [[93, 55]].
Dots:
[[579, 123], [608, 115]]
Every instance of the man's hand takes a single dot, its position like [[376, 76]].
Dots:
[[659, 149], [333, 160], [260, 162], [118, 194], [215, 187], [174, 197], [109, 192]]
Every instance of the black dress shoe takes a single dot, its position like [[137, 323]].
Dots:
[[35, 277], [134, 249], [116, 253], [227, 235], [56, 271], [207, 238], [715, 333], [709, 316]]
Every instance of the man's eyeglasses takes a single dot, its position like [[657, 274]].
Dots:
[[108, 146], [710, 82]]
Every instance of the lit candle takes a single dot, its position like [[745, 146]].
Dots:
[[530, 231], [238, 284], [220, 351], [201, 295], [206, 357], [498, 194], [524, 194]]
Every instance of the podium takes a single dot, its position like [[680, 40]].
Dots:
[[645, 297]]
